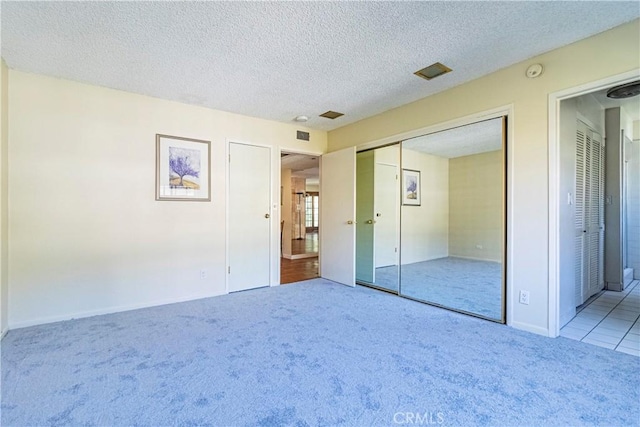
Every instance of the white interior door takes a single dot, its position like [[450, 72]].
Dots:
[[249, 218], [337, 216], [386, 219]]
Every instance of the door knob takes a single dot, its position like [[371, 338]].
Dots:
[[267, 216], [370, 221], [351, 222]]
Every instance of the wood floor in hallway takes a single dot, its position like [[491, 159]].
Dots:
[[295, 270]]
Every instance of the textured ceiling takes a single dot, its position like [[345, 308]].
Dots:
[[466, 140], [301, 165], [277, 60]]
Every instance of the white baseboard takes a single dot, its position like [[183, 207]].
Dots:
[[531, 328], [107, 310], [475, 259], [300, 256]]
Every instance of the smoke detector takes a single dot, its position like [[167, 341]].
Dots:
[[534, 71]]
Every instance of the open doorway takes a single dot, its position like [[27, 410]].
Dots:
[[299, 222], [598, 209]]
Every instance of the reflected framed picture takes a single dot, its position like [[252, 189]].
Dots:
[[183, 169], [411, 187]]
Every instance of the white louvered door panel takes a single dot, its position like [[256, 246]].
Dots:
[[601, 215], [588, 212], [580, 213], [594, 228]]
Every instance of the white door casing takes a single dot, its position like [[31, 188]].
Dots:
[[554, 101]]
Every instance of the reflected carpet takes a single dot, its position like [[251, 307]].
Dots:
[[463, 284]]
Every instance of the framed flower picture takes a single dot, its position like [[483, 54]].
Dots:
[[183, 168], [411, 187]]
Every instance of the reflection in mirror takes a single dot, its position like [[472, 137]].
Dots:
[[377, 217], [453, 229]]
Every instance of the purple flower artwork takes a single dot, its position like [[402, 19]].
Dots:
[[411, 186], [184, 168]]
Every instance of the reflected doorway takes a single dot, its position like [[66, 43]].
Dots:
[[377, 217]]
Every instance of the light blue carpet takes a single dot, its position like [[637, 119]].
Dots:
[[462, 284], [311, 353]]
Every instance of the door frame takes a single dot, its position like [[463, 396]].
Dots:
[[227, 155], [554, 182]]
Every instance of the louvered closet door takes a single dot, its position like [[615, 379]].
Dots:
[[595, 204], [601, 216], [580, 222], [589, 217]]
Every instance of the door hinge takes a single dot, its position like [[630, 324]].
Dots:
[[229, 158], [229, 270]]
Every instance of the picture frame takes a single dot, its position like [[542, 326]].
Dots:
[[411, 187], [183, 169]]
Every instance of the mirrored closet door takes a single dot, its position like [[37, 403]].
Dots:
[[453, 219], [378, 217]]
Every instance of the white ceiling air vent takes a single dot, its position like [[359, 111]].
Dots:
[[432, 71], [331, 115]]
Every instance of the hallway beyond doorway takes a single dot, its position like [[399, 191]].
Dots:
[[308, 245], [296, 270]]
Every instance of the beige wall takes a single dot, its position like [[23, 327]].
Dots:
[[87, 235], [4, 186], [476, 206], [610, 53], [425, 228]]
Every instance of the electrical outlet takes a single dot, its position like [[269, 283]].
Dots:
[[479, 247], [524, 297], [203, 274]]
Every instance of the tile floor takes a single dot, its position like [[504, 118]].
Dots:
[[611, 320]]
